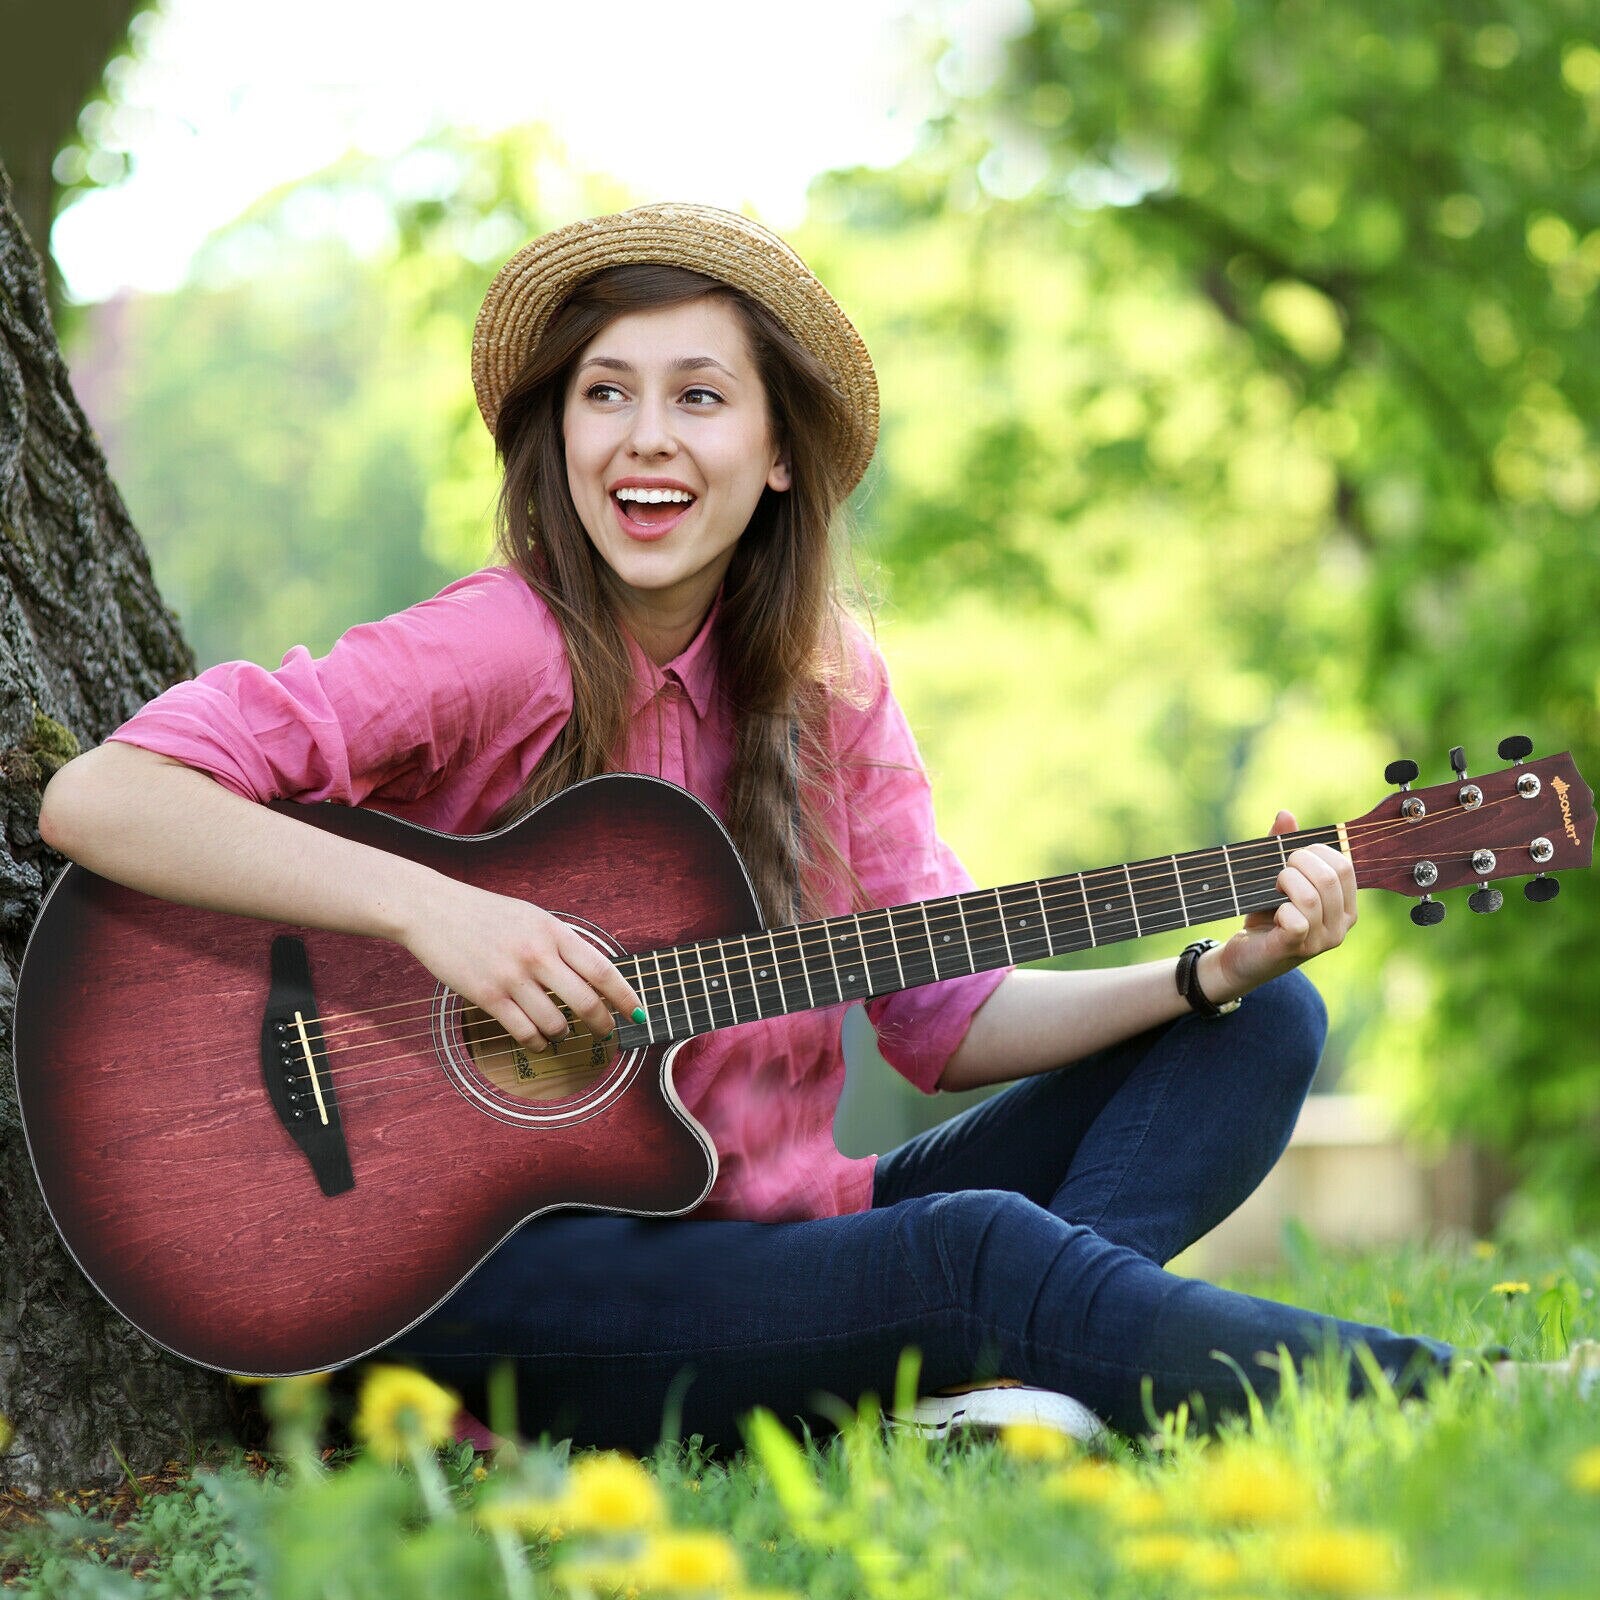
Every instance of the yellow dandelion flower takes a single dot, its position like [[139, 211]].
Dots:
[[1509, 1288], [400, 1407], [1584, 1472], [1336, 1560], [612, 1493], [692, 1561], [1137, 1505], [1241, 1487], [1087, 1483], [1033, 1441], [1212, 1566], [526, 1513], [1484, 1249], [1156, 1552]]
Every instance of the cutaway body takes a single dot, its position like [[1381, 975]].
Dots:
[[175, 1182]]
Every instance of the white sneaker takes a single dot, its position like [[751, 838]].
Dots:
[[991, 1406]]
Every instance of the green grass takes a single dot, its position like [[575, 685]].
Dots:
[[1476, 1493]]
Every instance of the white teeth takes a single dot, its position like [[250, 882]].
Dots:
[[655, 497]]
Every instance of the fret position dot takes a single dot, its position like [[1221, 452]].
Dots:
[[1108, 905], [947, 938], [763, 972], [1204, 888]]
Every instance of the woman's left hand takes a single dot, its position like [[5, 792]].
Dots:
[[1320, 885]]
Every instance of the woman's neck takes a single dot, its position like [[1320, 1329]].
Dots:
[[663, 624]]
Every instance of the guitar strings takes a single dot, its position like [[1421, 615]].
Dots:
[[1115, 929], [685, 986], [372, 1089], [1116, 878]]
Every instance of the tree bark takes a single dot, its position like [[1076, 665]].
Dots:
[[85, 640]]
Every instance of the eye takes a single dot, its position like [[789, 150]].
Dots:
[[597, 391], [710, 395]]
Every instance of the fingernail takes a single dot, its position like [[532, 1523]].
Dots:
[[638, 1014]]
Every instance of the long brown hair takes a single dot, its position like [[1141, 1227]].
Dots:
[[780, 648]]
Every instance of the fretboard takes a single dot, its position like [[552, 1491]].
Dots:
[[719, 983]]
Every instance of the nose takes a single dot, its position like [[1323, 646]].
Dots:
[[651, 434]]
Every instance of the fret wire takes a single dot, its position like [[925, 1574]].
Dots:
[[1088, 915], [727, 978], [999, 906], [1138, 932], [1183, 905], [683, 989], [777, 972], [933, 954], [894, 946], [705, 984], [838, 984], [861, 945], [755, 988], [804, 970], [1233, 884], [1283, 854], [966, 938], [661, 989], [1038, 893]]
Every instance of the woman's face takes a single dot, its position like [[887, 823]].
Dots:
[[669, 445]]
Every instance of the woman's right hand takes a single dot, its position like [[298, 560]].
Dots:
[[508, 957]]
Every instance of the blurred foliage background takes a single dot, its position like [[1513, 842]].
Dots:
[[1239, 365]]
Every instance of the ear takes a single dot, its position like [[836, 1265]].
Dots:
[[780, 478]]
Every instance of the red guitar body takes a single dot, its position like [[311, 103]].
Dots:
[[174, 1180]]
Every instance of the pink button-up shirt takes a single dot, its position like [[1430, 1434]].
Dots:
[[439, 713]]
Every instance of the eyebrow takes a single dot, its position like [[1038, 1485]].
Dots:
[[682, 364]]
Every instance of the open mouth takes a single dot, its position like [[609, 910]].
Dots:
[[649, 513]]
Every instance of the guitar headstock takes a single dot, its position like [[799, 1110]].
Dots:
[[1527, 820]]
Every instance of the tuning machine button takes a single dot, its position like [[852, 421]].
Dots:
[[1401, 772], [1541, 889], [1427, 911], [1458, 761], [1486, 899], [1515, 748]]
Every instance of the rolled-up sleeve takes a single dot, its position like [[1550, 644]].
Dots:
[[392, 709], [899, 857]]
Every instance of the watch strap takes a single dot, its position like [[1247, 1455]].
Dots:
[[1188, 978]]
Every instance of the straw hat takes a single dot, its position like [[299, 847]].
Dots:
[[721, 244]]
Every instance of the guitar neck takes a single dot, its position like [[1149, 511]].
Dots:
[[719, 983]]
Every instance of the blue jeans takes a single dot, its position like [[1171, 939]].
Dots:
[[1022, 1238]]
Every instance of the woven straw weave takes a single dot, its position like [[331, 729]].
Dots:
[[721, 244]]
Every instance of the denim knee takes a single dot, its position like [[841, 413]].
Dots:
[[1289, 1011]]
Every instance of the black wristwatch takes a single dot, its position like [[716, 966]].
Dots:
[[1189, 981]]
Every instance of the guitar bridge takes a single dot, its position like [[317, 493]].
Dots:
[[294, 1061]]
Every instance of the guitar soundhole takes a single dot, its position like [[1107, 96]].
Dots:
[[564, 1069]]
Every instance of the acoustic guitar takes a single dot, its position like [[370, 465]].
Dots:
[[274, 1148]]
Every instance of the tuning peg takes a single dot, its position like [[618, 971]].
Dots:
[[1541, 889], [1515, 747], [1458, 761], [1486, 899], [1427, 911], [1401, 772]]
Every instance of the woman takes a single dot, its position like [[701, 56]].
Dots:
[[681, 410]]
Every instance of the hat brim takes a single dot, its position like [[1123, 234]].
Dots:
[[722, 245]]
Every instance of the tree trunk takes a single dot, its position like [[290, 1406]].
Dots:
[[84, 641]]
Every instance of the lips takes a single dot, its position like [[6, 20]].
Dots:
[[657, 526]]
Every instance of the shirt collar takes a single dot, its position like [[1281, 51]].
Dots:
[[693, 669]]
